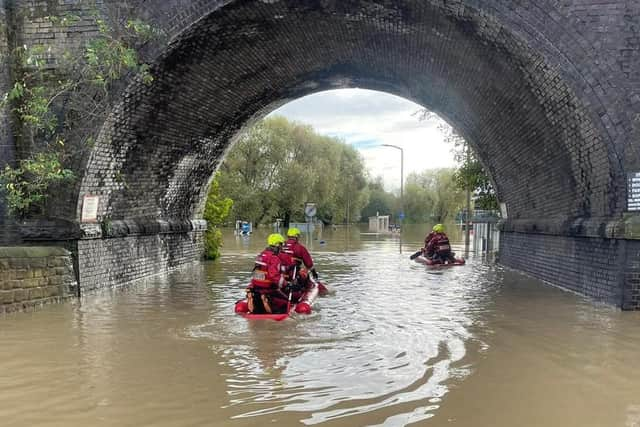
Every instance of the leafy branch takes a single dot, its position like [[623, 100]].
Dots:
[[27, 185], [62, 96]]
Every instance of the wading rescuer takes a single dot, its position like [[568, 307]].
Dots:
[[301, 257], [437, 246], [265, 293]]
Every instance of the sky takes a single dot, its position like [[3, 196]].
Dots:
[[367, 119]]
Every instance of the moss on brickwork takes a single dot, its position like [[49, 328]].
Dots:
[[631, 226]]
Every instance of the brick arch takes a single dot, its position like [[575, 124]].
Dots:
[[520, 100]]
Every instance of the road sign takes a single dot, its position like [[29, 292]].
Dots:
[[90, 208], [633, 191], [401, 215], [310, 210]]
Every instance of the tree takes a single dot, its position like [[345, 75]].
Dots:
[[470, 174], [278, 165], [350, 196], [432, 196], [380, 201]]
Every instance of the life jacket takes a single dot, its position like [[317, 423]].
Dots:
[[298, 252], [289, 248], [266, 270], [428, 238], [441, 244]]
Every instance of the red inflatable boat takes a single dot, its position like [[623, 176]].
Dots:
[[300, 303], [438, 264]]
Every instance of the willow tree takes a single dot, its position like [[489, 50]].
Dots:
[[278, 166]]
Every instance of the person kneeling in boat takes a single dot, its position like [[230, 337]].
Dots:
[[265, 293], [302, 259], [429, 236], [437, 246]]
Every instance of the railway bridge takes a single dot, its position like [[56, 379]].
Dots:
[[547, 93]]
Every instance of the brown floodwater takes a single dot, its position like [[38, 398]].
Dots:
[[395, 345]]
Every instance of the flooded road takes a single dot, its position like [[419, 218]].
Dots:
[[395, 345]]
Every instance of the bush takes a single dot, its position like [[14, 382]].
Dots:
[[216, 210], [212, 243], [27, 186]]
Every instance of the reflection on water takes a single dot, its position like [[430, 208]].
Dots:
[[397, 344]]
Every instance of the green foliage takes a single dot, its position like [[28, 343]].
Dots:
[[108, 58], [30, 93], [64, 20], [212, 243], [380, 201], [216, 211], [278, 166], [470, 174], [62, 96], [27, 186], [432, 196]]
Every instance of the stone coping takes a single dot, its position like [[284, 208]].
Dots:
[[62, 230], [625, 228], [137, 227], [32, 251]]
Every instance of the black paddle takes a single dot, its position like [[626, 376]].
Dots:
[[416, 255]]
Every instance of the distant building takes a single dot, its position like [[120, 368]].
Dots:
[[379, 224]]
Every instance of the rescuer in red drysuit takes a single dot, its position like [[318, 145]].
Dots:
[[302, 259], [437, 246], [265, 293]]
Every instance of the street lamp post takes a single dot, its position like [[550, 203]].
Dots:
[[401, 181]]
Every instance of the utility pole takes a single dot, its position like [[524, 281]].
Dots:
[[401, 216], [467, 217]]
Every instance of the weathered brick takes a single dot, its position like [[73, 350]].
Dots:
[[20, 295], [36, 293], [52, 291], [6, 297]]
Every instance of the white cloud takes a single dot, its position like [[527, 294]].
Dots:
[[367, 119]]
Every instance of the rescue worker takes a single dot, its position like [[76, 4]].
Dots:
[[265, 293], [437, 246], [301, 257], [429, 236]]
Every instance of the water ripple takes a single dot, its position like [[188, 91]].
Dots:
[[391, 337]]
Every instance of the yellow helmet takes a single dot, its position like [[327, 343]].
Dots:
[[293, 232], [275, 239], [438, 228]]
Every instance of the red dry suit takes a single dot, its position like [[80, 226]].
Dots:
[[439, 245], [301, 258], [299, 253], [269, 277], [428, 238], [268, 270]]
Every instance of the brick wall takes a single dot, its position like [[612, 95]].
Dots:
[[586, 265], [113, 262], [42, 22], [7, 154], [34, 276], [563, 120], [631, 276]]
